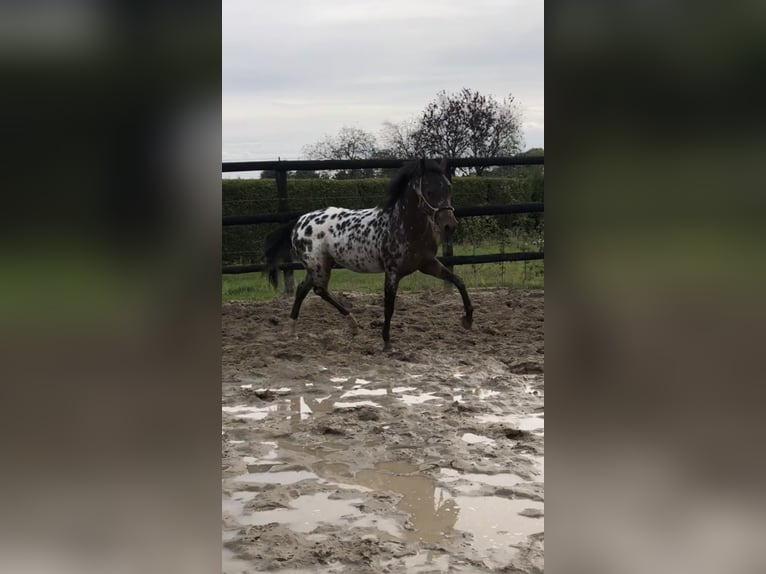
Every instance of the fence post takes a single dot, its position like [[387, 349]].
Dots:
[[282, 205], [447, 239]]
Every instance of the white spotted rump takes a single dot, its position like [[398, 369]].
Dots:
[[350, 238]]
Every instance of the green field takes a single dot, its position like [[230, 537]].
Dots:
[[255, 286]]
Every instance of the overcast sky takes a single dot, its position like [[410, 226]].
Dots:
[[297, 70]]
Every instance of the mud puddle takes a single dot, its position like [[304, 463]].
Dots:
[[534, 422], [340, 459], [430, 509], [503, 479], [498, 525], [304, 513]]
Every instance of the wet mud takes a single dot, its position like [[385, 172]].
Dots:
[[340, 458]]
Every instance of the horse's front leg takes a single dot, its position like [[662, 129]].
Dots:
[[392, 284], [436, 269]]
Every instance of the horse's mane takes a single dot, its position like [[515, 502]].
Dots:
[[398, 185]]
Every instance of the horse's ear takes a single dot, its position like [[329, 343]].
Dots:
[[422, 165], [443, 164]]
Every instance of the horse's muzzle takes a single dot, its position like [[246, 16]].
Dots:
[[446, 221]]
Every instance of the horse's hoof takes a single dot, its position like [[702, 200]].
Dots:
[[467, 322], [353, 326], [387, 348]]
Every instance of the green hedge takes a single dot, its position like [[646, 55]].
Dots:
[[242, 243]]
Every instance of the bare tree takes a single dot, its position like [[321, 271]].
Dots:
[[349, 143], [398, 140], [462, 124], [442, 129], [494, 128], [468, 124]]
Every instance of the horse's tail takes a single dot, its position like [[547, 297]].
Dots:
[[276, 248]]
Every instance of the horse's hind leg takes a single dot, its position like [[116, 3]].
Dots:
[[324, 294], [320, 288], [300, 295]]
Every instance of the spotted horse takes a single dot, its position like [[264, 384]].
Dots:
[[397, 238]]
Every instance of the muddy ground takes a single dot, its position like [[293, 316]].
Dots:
[[340, 458]]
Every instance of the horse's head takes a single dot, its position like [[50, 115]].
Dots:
[[436, 191]]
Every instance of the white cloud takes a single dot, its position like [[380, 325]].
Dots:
[[295, 70]]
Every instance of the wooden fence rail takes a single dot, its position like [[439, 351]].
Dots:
[[332, 164], [450, 260], [459, 212]]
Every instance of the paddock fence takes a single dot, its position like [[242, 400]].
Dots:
[[284, 213]]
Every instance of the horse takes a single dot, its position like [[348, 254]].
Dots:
[[397, 238]]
